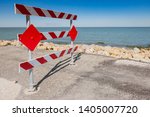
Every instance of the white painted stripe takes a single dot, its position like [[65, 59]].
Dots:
[[57, 14], [48, 58], [66, 33], [57, 33], [34, 62], [47, 35], [32, 11], [72, 17], [65, 16], [46, 13], [72, 50], [58, 53], [17, 11], [66, 52]]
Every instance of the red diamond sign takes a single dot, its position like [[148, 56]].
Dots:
[[31, 37], [73, 33]]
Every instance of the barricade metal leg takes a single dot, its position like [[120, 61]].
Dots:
[[72, 54], [72, 45], [31, 80]]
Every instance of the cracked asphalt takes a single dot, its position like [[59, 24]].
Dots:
[[93, 77]]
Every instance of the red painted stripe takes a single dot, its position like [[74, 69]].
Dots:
[[69, 51], [41, 60], [26, 65], [43, 37], [76, 48], [52, 34], [75, 17], [53, 56], [39, 11], [69, 16], [52, 14], [62, 53], [61, 15], [22, 9], [62, 34], [19, 35], [68, 34]]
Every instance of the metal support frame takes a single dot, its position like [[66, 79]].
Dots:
[[72, 46], [31, 80], [18, 10]]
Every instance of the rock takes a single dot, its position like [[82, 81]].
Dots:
[[92, 46], [51, 44], [137, 57], [46, 44], [106, 53], [80, 50], [40, 44], [100, 52], [56, 48], [96, 48], [136, 50], [47, 48], [142, 54], [127, 56], [84, 46], [146, 59], [147, 52], [123, 50], [50, 48], [115, 52], [89, 50], [5, 43], [16, 43], [41, 47], [107, 48]]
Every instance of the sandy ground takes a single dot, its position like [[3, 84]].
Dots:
[[92, 77]]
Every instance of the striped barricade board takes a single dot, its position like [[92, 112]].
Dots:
[[52, 35], [26, 10], [31, 37], [47, 58]]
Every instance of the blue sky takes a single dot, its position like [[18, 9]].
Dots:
[[91, 13]]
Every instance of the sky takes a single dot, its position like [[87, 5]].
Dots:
[[91, 13]]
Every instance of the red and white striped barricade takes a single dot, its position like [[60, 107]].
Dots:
[[31, 37], [28, 11], [53, 35], [47, 58]]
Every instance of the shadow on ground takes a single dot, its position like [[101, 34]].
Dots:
[[59, 66]]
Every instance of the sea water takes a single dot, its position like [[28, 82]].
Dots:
[[115, 36]]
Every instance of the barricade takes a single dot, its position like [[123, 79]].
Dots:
[[31, 37]]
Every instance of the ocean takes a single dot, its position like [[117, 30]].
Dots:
[[114, 36]]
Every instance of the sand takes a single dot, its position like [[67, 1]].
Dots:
[[9, 90]]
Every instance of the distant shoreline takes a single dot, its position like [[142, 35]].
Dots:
[[133, 53], [97, 43]]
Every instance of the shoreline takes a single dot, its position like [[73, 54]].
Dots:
[[133, 53]]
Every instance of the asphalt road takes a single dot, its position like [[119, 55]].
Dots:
[[93, 77]]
